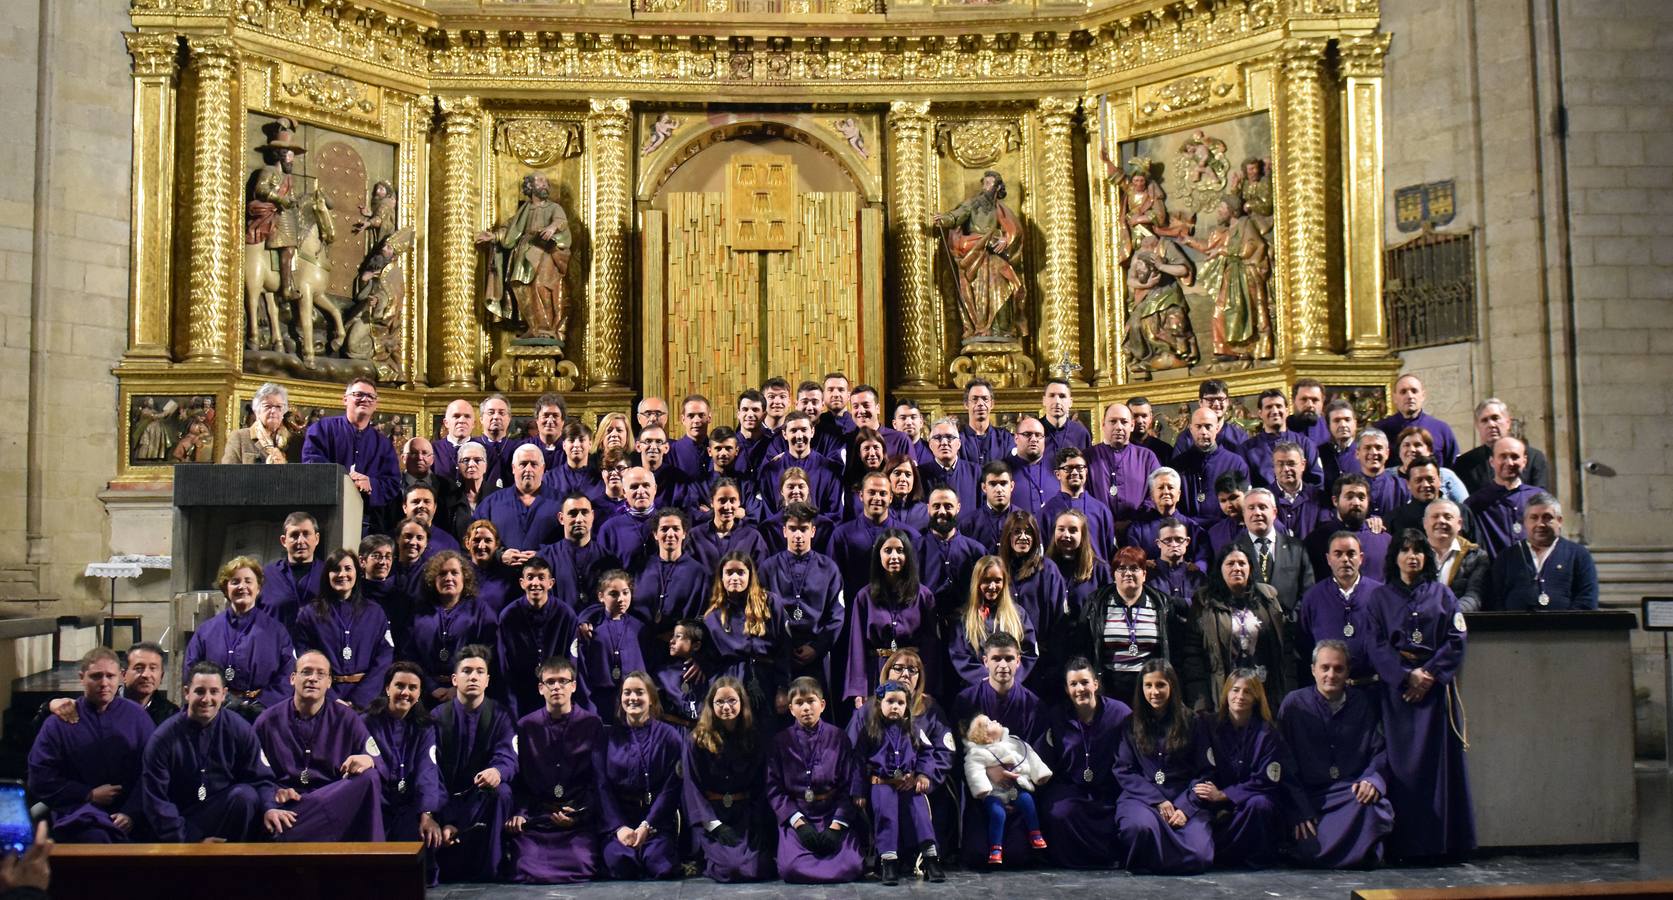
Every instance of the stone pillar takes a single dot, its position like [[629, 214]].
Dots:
[[1361, 62], [151, 245], [920, 346], [1301, 170], [1059, 335], [212, 324], [458, 327], [609, 126]]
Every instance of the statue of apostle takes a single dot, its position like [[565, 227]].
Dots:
[[1237, 273], [985, 244], [529, 264]]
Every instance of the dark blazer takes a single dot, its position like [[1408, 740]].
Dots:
[[1291, 574], [1568, 579], [1469, 579], [1475, 469]]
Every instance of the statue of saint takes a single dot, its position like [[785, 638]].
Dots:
[[1253, 185], [1237, 274], [529, 264], [378, 216], [985, 244], [271, 205], [1159, 334]]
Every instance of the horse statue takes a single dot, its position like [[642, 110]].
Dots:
[[313, 273]]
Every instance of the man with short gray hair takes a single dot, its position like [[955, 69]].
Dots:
[[1545, 571], [1475, 468]]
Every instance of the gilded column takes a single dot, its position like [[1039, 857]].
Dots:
[[212, 320], [1361, 62], [1059, 335], [909, 125], [457, 322], [150, 254], [609, 125], [1302, 169]]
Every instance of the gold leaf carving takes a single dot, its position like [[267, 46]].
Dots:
[[979, 142], [1208, 90], [329, 93], [539, 142]]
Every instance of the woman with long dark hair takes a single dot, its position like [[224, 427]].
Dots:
[[1163, 754], [1235, 623], [724, 764], [638, 766], [1082, 742], [906, 494], [450, 619], [350, 630], [891, 612]]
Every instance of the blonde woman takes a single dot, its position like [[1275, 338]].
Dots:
[[989, 608]]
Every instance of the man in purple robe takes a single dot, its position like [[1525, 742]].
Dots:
[[1307, 411], [457, 423], [984, 522], [1499, 506], [1001, 697], [809, 588], [812, 781], [945, 556], [752, 433], [364, 453], [1057, 415], [290, 583], [1409, 397], [579, 558], [533, 629], [724, 461], [575, 472], [1299, 505], [524, 516], [323, 758], [497, 439], [1388, 492], [947, 467], [980, 440], [419, 505], [141, 679], [1334, 609], [550, 413], [1339, 771], [867, 409], [1213, 395], [88, 772], [1352, 506], [1340, 454], [627, 534], [1144, 430], [1258, 449], [823, 474], [1071, 470], [1118, 468], [671, 585], [203, 777], [851, 542], [1031, 470], [689, 455], [553, 824], [1202, 463], [476, 750]]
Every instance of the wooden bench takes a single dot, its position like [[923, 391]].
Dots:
[[354, 871], [1615, 889]]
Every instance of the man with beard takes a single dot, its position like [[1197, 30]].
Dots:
[[946, 557], [528, 263], [1071, 470], [272, 215], [1351, 500], [1119, 467], [1307, 416], [321, 755]]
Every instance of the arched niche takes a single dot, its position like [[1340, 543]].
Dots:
[[697, 161]]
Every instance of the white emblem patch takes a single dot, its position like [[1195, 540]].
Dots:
[[575, 648], [1211, 757], [388, 638], [923, 737], [432, 754], [264, 760], [1458, 622], [1274, 772], [372, 747], [514, 743], [947, 740]]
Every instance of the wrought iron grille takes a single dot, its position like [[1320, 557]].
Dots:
[[1429, 290]]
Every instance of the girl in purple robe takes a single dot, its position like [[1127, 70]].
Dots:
[[452, 620], [411, 783], [554, 823], [746, 635], [253, 650], [897, 761], [406, 590], [929, 723], [609, 647], [351, 631], [1083, 738], [638, 766], [906, 494], [812, 780], [1417, 647], [891, 612], [1245, 754], [725, 762], [1038, 589], [496, 583], [1084, 574], [1164, 752], [728, 530], [988, 609]]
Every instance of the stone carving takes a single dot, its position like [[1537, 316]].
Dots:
[[286, 229], [331, 93], [164, 430], [1159, 334], [1237, 273], [978, 143], [661, 131], [849, 128], [983, 240], [528, 259], [540, 142]]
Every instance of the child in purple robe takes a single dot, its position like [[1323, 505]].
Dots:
[[989, 744], [1244, 754], [532, 629], [929, 725], [746, 636], [88, 772], [609, 647], [554, 826], [351, 631], [724, 764], [809, 589], [898, 760], [681, 680], [321, 754], [812, 782], [1083, 738], [250, 647], [411, 782], [1164, 752], [637, 762]]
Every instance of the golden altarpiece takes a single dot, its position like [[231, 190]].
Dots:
[[1132, 194]]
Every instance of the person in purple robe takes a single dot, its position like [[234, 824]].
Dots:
[[609, 645], [989, 609], [1338, 783], [727, 530], [724, 765], [1033, 475], [1409, 397], [1160, 828], [1498, 507], [863, 454], [1351, 513], [410, 782], [746, 636], [1037, 586], [1099, 526], [1307, 411], [364, 453], [544, 431], [1417, 648], [1301, 506], [853, 542], [1057, 416], [672, 584], [794, 489], [321, 753], [450, 619], [496, 438], [812, 782], [203, 777], [1082, 740], [476, 753], [689, 455], [906, 668], [1202, 464], [1339, 454], [892, 611], [682, 679], [946, 557], [1084, 573], [290, 583], [576, 472], [1334, 609], [1174, 573], [1213, 395], [578, 559], [1240, 792], [947, 468], [626, 535], [525, 516], [637, 764], [377, 582], [984, 521], [553, 828], [1228, 492], [823, 474], [532, 630], [404, 597], [497, 580], [419, 504], [1001, 697], [1126, 625], [1388, 491], [1257, 451], [252, 650], [726, 460], [1144, 429], [980, 440], [88, 773], [899, 762], [1118, 468], [458, 421], [350, 630], [906, 494], [809, 589]]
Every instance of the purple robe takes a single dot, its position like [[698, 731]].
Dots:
[[964, 478], [981, 449], [875, 631], [356, 640], [1081, 592], [761, 662], [944, 566], [726, 787], [1388, 493], [1303, 512], [967, 659], [1070, 434], [528, 637], [912, 515], [1316, 430], [1427, 778], [1231, 437], [285, 590], [410, 782], [1199, 471], [682, 697], [1336, 462], [446, 464], [1257, 452], [255, 647], [1373, 548], [68, 761], [1100, 522], [666, 591], [306, 754], [439, 634], [1325, 614], [1220, 535], [498, 472], [983, 524], [366, 451], [1180, 582], [772, 528], [1498, 515], [743, 538], [824, 481], [900, 821], [521, 527], [851, 550], [1144, 532], [579, 565], [1077, 806], [613, 652], [1044, 596], [1248, 766], [626, 536], [689, 458], [638, 772], [467, 742], [497, 585], [1034, 484], [809, 594], [206, 781], [1446, 444], [1333, 751], [1018, 709], [1147, 779], [556, 773], [1118, 477], [814, 774]]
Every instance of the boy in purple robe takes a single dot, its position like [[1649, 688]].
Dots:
[[637, 761], [1071, 468], [1003, 699], [823, 474], [321, 754], [410, 781], [681, 680], [476, 751], [672, 585], [984, 521], [1337, 784], [203, 773], [809, 588], [610, 644], [290, 583], [532, 630], [1082, 739], [252, 650], [554, 823], [812, 781], [88, 772]]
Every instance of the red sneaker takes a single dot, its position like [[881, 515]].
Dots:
[[1037, 840], [996, 855]]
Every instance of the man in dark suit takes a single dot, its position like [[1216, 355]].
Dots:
[[1475, 468], [1275, 557]]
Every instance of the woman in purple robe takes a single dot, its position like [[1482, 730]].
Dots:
[[1417, 647], [906, 494], [411, 782], [746, 637], [812, 781], [929, 722], [351, 631], [896, 761], [1240, 792], [1163, 754], [251, 647], [728, 530], [1084, 574], [451, 619], [637, 761], [554, 822], [496, 583], [1039, 589], [891, 612], [1083, 739], [405, 594], [724, 764], [609, 646], [987, 609], [864, 454]]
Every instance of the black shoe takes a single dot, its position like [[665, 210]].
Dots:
[[888, 872], [931, 865]]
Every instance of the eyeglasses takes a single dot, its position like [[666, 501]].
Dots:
[[360, 395], [1072, 469], [471, 461], [1173, 540], [653, 414], [559, 682], [380, 556], [904, 670]]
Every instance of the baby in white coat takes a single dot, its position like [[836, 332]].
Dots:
[[989, 743]]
